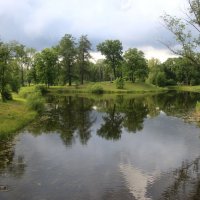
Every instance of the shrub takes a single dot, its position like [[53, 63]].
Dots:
[[35, 102], [193, 82], [170, 82], [97, 89], [15, 85], [119, 83], [6, 94], [41, 88], [161, 79], [26, 91]]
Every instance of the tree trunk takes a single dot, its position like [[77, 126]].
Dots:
[[81, 71], [132, 78], [69, 75], [3, 85], [22, 76], [70, 81], [114, 71]]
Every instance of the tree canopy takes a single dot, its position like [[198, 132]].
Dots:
[[112, 50]]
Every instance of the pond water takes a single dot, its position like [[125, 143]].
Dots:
[[99, 148]]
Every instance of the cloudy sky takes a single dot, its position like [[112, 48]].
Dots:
[[42, 23]]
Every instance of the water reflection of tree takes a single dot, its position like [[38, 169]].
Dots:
[[135, 112], [8, 162], [68, 116], [186, 183], [128, 113], [177, 104], [112, 127], [72, 116], [84, 119]]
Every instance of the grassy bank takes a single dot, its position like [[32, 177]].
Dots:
[[186, 88], [14, 115], [17, 113], [108, 87]]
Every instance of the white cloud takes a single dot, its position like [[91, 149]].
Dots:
[[161, 54]]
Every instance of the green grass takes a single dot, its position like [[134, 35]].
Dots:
[[186, 88], [108, 87], [25, 91], [14, 115]]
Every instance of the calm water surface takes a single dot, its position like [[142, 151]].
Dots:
[[106, 148]]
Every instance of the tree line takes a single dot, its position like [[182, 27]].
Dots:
[[65, 63], [70, 62]]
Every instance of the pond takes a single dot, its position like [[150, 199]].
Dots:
[[105, 147]]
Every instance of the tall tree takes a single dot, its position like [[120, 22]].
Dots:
[[84, 46], [46, 63], [68, 52], [21, 58], [112, 50], [30, 65], [5, 56], [156, 74], [136, 64]]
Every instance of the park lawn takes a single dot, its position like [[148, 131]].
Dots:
[[109, 87], [14, 115], [186, 88]]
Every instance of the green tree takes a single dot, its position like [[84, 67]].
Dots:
[[20, 55], [84, 46], [136, 64], [112, 50], [156, 73], [46, 63], [67, 50], [5, 57], [181, 70], [153, 62], [30, 66]]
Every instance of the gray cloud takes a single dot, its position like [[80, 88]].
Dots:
[[41, 23]]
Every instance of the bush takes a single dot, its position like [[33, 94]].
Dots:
[[119, 83], [15, 85], [41, 88], [35, 102], [97, 89], [161, 79], [170, 82], [6, 94], [193, 82], [26, 91]]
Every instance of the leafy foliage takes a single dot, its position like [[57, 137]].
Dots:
[[97, 89], [67, 51], [119, 83], [136, 65], [35, 102], [84, 46], [112, 50], [186, 32], [46, 66]]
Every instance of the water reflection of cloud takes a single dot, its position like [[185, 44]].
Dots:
[[136, 181], [163, 143]]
